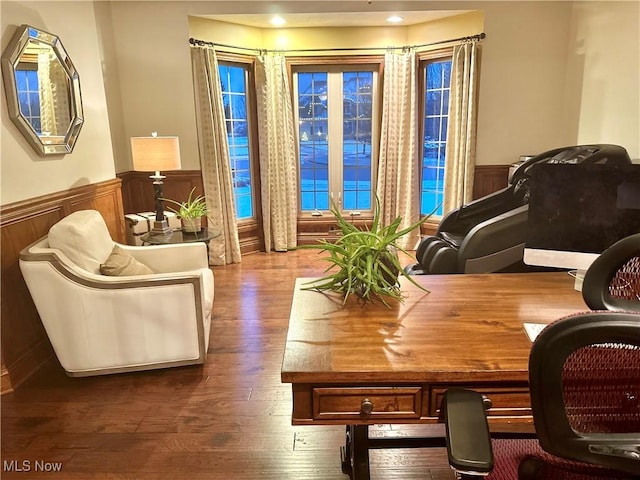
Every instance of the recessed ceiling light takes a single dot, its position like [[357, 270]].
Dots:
[[278, 21], [395, 19]]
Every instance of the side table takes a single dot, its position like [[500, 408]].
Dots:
[[178, 236]]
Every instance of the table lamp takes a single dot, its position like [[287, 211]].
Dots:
[[155, 154]]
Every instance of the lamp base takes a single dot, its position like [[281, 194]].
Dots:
[[161, 227]]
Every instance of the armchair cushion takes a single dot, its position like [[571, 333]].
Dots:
[[121, 264], [84, 238]]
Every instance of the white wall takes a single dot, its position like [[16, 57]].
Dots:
[[150, 41], [605, 63], [522, 81], [23, 173]]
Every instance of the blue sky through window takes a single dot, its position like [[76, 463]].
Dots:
[[354, 113], [29, 96], [233, 81], [437, 77]]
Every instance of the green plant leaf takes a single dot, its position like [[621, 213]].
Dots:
[[366, 260], [190, 208]]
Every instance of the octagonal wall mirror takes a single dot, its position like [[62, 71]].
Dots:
[[43, 91]]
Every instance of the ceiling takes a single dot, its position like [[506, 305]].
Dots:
[[342, 19]]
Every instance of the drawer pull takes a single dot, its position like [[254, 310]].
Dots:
[[486, 402], [366, 407]]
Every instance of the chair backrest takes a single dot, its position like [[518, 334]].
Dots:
[[612, 282], [84, 238], [584, 379]]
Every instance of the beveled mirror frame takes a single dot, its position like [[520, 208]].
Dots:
[[44, 145]]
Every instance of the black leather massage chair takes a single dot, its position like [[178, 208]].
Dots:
[[488, 234]]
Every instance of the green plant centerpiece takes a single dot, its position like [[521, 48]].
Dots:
[[366, 260], [190, 211]]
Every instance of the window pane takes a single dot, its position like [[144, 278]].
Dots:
[[238, 107], [322, 200], [233, 82], [357, 101], [350, 200], [29, 96], [34, 100], [431, 129], [23, 100], [224, 77], [434, 102], [237, 80], [21, 80], [306, 200], [314, 148], [437, 77]]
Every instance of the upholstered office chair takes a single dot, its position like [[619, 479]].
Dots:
[[612, 282], [151, 309], [584, 379]]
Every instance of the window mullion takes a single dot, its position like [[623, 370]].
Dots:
[[335, 136]]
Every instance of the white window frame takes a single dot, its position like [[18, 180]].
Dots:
[[335, 129]]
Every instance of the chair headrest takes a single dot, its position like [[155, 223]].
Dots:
[[84, 238]]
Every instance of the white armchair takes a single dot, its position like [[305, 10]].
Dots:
[[102, 324]]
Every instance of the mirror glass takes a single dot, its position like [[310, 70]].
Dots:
[[43, 91]]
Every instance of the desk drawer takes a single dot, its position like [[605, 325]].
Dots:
[[506, 401], [361, 403]]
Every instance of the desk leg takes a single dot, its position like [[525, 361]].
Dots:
[[355, 453]]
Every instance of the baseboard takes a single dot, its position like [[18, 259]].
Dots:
[[250, 245]]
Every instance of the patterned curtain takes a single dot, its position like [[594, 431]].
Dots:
[[47, 109], [398, 169], [214, 157], [278, 159], [461, 137], [55, 116]]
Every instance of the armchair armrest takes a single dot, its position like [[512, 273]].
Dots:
[[475, 211], [506, 232], [180, 257], [467, 432]]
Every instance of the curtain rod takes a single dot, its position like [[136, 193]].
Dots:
[[201, 43]]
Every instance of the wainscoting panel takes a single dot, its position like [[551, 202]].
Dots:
[[25, 346], [137, 188], [489, 179]]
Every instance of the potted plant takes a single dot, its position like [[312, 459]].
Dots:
[[366, 260], [190, 211]]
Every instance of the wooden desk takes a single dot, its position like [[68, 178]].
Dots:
[[359, 365]]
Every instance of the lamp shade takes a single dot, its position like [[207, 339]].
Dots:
[[153, 154]]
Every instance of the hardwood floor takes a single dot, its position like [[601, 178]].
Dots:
[[228, 419]]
